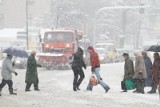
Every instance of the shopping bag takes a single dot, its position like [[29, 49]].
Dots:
[[130, 84], [93, 80]]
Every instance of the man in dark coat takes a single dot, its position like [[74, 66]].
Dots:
[[77, 65], [148, 65], [31, 73], [128, 70]]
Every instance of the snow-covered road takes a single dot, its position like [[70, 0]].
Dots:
[[56, 91]]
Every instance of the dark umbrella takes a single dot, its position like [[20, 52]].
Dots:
[[17, 52], [154, 48]]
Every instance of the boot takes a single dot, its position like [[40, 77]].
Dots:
[[153, 90], [78, 88], [11, 92], [74, 88], [137, 86], [0, 93], [141, 87], [28, 87], [36, 87]]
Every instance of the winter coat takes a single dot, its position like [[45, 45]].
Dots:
[[78, 61], [128, 69], [31, 73], [148, 65], [94, 59], [7, 69], [155, 67], [140, 69]]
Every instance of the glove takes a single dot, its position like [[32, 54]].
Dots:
[[16, 73]]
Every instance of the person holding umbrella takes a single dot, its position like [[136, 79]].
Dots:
[[7, 71], [31, 73]]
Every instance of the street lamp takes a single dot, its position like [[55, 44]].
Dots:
[[27, 25]]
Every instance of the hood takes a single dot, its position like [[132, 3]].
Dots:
[[80, 50], [91, 48]]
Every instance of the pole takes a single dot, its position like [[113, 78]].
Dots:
[[27, 25]]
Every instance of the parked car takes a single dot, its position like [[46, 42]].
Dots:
[[102, 55], [20, 63]]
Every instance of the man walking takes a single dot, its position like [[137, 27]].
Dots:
[[7, 71], [128, 70]]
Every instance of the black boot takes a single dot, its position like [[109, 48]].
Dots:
[[36, 87], [28, 87], [153, 90], [141, 87], [0, 93], [74, 88], [11, 92]]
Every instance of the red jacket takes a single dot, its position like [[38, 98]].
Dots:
[[94, 58]]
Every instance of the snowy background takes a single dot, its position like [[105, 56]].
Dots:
[[56, 91]]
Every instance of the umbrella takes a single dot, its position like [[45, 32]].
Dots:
[[154, 48], [17, 52]]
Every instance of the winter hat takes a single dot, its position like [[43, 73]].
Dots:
[[137, 52], [125, 54]]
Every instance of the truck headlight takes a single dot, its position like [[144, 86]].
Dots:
[[101, 58]]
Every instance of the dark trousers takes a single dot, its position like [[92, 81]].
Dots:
[[140, 85], [28, 85], [9, 83], [77, 72]]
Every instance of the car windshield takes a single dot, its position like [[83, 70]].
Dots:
[[58, 36]]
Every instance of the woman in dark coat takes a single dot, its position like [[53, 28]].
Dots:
[[77, 65], [155, 80], [148, 65], [31, 73]]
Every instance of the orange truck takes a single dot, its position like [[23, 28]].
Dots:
[[57, 46]]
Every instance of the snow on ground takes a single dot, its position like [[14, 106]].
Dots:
[[56, 91]]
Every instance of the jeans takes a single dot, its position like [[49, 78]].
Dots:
[[8, 82], [101, 82]]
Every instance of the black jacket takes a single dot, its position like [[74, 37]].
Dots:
[[78, 59]]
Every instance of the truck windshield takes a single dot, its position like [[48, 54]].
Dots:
[[58, 36]]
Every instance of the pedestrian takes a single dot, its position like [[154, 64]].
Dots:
[[128, 70], [155, 81], [31, 73], [77, 65], [148, 65], [7, 71], [139, 73], [95, 69]]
